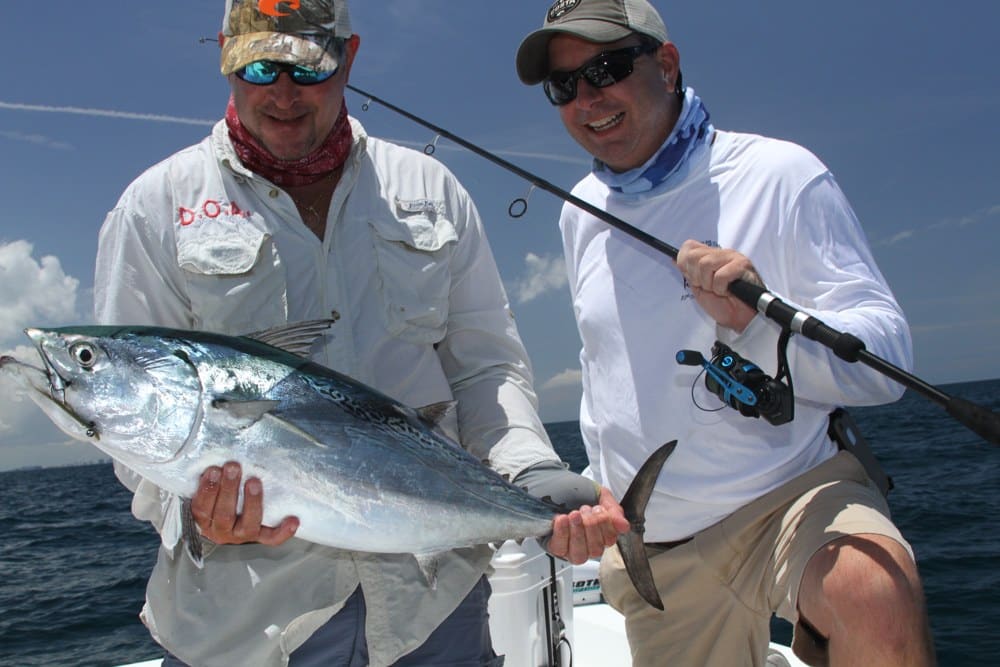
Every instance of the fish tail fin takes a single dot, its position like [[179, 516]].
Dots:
[[631, 544]]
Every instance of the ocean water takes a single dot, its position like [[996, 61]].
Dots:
[[73, 560]]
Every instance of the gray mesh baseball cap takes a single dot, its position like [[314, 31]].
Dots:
[[290, 31], [593, 20]]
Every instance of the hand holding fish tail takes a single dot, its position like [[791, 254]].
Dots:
[[587, 531], [214, 507], [709, 272]]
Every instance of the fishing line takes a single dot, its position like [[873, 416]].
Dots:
[[848, 347]]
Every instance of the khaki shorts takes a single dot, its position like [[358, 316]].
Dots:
[[721, 588]]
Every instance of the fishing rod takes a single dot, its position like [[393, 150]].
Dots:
[[850, 348]]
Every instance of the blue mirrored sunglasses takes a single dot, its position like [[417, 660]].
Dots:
[[266, 72]]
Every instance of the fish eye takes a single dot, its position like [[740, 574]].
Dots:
[[84, 354]]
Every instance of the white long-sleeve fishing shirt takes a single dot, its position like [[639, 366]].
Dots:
[[200, 242], [777, 204]]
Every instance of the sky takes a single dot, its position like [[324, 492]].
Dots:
[[899, 99]]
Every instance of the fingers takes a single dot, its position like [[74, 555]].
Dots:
[[708, 272], [247, 525], [224, 513], [618, 523], [272, 537], [579, 549], [584, 533], [215, 509], [713, 269], [559, 541], [587, 534], [609, 530], [203, 502]]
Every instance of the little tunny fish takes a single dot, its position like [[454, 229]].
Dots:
[[360, 470]]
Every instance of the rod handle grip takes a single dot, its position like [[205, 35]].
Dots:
[[845, 345]]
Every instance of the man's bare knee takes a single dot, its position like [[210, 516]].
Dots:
[[862, 593]]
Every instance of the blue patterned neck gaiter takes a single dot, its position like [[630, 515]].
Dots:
[[691, 130]]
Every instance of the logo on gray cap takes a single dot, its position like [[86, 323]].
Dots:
[[560, 8]]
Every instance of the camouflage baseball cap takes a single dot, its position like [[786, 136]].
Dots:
[[593, 20], [302, 32]]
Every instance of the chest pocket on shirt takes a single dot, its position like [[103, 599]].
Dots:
[[235, 278], [413, 254]]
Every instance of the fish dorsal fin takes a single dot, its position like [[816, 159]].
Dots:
[[297, 338], [434, 413], [243, 414]]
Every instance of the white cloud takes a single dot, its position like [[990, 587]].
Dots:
[[542, 275], [899, 236], [444, 143], [559, 396], [35, 292], [402, 11], [37, 139], [569, 378], [106, 113], [983, 215], [554, 157]]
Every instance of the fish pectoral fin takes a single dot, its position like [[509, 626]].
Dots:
[[429, 563], [295, 430], [179, 527], [192, 536], [243, 414], [171, 532]]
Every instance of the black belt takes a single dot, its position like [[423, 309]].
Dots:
[[669, 545]]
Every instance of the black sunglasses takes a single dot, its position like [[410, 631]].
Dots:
[[266, 72], [602, 70]]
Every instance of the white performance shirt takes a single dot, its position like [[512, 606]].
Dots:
[[776, 203]]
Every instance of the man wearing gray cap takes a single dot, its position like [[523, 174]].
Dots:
[[287, 212], [750, 517]]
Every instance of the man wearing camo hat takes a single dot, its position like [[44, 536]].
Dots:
[[750, 517], [287, 212]]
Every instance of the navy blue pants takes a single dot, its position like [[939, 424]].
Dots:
[[462, 640]]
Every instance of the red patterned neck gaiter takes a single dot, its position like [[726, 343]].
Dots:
[[303, 171]]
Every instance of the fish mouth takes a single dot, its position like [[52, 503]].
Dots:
[[47, 388], [57, 383], [32, 377]]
